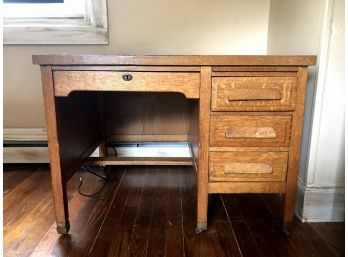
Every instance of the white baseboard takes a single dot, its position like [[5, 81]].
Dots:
[[319, 203], [25, 134], [17, 149]]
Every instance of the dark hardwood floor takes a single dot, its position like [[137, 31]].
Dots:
[[150, 211]]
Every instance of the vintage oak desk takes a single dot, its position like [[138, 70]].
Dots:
[[244, 119]]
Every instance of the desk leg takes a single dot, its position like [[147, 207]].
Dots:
[[202, 176], [58, 184], [60, 202], [294, 154], [102, 149], [202, 201]]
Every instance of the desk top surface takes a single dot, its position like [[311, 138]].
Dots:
[[180, 60]]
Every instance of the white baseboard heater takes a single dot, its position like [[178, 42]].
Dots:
[[30, 146]]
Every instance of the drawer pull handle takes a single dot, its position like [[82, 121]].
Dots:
[[127, 77], [248, 168], [250, 132], [254, 94]]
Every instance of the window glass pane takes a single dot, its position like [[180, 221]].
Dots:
[[33, 1]]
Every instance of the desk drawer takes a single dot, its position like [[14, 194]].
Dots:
[[183, 82], [263, 130], [247, 166], [253, 93]]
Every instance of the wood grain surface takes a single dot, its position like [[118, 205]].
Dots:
[[295, 148], [182, 60], [68, 81], [202, 174], [253, 93], [247, 166], [257, 131]]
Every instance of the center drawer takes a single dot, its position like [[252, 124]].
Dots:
[[263, 130], [184, 82]]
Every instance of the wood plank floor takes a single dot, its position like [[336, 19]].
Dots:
[[150, 211]]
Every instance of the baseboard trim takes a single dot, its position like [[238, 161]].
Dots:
[[25, 134], [319, 203], [25, 145]]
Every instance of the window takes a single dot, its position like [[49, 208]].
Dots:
[[33, 1], [55, 22]]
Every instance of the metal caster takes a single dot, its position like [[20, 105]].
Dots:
[[201, 226], [198, 231], [286, 232], [63, 228], [286, 228]]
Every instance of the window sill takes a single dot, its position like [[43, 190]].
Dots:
[[87, 31], [50, 32]]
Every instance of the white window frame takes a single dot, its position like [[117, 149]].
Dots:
[[92, 29]]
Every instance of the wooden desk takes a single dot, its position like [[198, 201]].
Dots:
[[244, 118]]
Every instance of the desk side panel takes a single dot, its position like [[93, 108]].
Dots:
[[193, 131], [79, 129]]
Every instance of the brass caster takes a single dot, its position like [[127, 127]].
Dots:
[[286, 232], [198, 231], [286, 228], [201, 226], [62, 228]]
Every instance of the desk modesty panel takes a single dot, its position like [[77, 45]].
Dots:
[[243, 119]]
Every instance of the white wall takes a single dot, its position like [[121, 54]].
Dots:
[[325, 181], [317, 27], [295, 28], [141, 28], [327, 155]]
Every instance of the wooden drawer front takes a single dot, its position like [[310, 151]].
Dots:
[[253, 93], [184, 82], [250, 130], [248, 166]]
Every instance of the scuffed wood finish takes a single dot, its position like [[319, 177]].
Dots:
[[129, 68], [247, 166], [202, 176], [294, 153], [253, 74], [253, 93], [172, 60], [263, 68], [263, 130], [247, 132], [58, 185], [68, 81], [246, 187]]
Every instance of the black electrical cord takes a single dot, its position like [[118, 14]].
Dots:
[[105, 178], [115, 150]]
